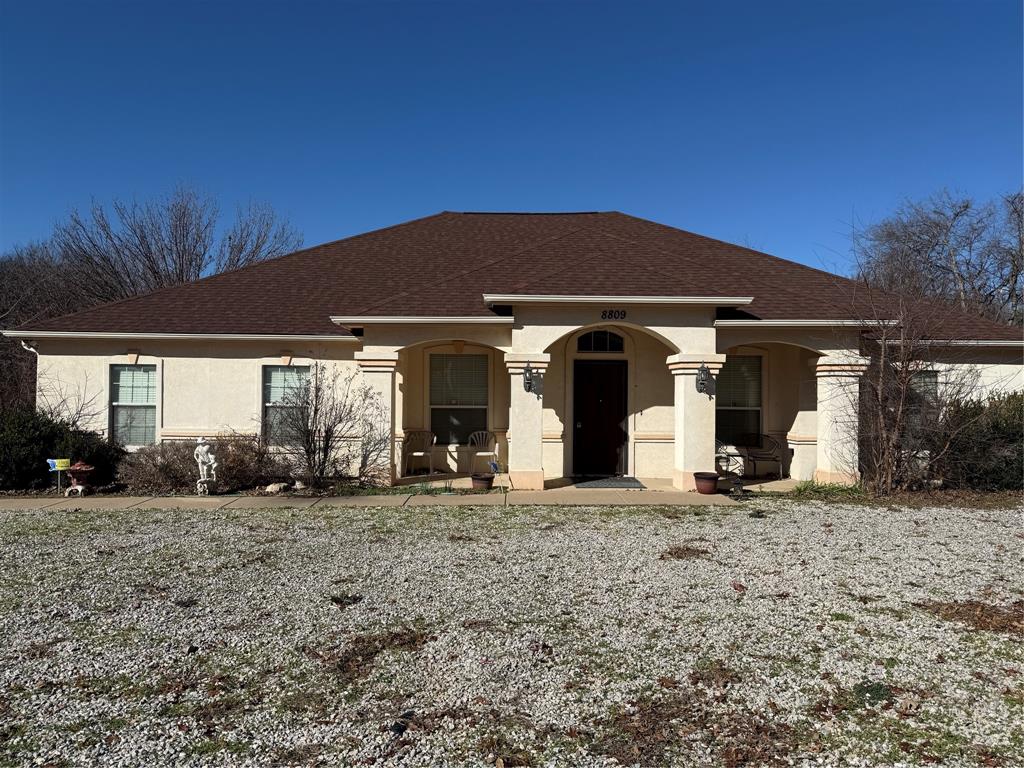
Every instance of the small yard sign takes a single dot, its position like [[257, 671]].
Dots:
[[58, 466]]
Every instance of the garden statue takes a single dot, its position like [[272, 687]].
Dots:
[[207, 466]]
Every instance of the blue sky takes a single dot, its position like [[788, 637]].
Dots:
[[768, 124]]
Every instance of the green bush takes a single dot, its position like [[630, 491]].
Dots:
[[28, 438], [243, 462], [985, 439]]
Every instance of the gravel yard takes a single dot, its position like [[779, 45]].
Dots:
[[808, 633]]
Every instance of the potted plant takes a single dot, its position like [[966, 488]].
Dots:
[[706, 482], [482, 481]]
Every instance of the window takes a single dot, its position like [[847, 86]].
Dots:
[[458, 397], [738, 400], [133, 404], [599, 341], [922, 402], [281, 383]]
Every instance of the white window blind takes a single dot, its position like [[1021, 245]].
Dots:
[[459, 380], [738, 401], [739, 382], [280, 382], [133, 404], [458, 397]]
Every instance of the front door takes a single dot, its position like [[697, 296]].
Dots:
[[600, 436]]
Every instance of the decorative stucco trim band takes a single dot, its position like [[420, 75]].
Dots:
[[688, 364], [802, 439], [516, 361], [376, 362], [848, 365]]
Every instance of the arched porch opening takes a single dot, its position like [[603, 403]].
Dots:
[[451, 387], [608, 407], [766, 395]]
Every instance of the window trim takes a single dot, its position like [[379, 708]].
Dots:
[[764, 382], [112, 405], [264, 405], [449, 351], [609, 332]]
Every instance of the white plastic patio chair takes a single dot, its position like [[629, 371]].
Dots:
[[482, 444], [417, 444]]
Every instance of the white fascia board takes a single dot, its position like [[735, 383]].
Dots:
[[721, 301], [396, 320], [965, 342], [800, 323], [188, 336]]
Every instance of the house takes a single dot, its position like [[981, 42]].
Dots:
[[590, 343]]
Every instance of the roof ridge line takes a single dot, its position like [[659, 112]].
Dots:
[[742, 247]]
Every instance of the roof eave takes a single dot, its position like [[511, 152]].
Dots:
[[519, 298]]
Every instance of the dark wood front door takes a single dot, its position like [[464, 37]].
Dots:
[[599, 437]]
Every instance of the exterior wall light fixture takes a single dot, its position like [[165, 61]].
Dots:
[[703, 377]]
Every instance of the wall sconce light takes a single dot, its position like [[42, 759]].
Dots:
[[528, 377], [703, 376]]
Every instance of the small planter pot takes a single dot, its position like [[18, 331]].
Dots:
[[706, 482], [483, 482]]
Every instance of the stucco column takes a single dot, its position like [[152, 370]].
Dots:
[[838, 414], [526, 421], [694, 417], [378, 369]]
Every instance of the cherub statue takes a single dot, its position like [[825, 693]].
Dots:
[[207, 462]]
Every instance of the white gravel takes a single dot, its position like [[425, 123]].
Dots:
[[538, 636]]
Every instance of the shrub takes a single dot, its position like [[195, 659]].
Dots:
[[243, 462], [28, 438], [981, 445]]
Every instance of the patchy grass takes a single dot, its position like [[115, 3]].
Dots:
[[808, 490], [1008, 619], [355, 661], [685, 552]]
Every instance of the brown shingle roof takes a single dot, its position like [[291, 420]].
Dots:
[[441, 265]]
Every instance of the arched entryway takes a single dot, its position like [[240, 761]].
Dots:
[[608, 404]]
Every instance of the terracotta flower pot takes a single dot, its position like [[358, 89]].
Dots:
[[706, 482], [483, 482]]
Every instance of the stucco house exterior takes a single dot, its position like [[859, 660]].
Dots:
[[578, 339]]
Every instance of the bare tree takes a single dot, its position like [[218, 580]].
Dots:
[[953, 250], [145, 246], [137, 247], [332, 426], [909, 415]]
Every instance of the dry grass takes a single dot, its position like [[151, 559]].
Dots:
[[684, 552], [355, 661], [980, 615]]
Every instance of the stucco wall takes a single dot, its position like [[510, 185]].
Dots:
[[202, 388]]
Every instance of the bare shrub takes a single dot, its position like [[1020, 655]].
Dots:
[[243, 462], [332, 425]]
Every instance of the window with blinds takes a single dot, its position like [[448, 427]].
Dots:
[[738, 401], [458, 397], [133, 404], [281, 383]]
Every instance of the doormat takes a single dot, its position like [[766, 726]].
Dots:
[[612, 482]]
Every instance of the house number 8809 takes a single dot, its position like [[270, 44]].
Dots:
[[613, 314]]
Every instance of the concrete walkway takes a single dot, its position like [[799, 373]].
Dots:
[[556, 497]]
